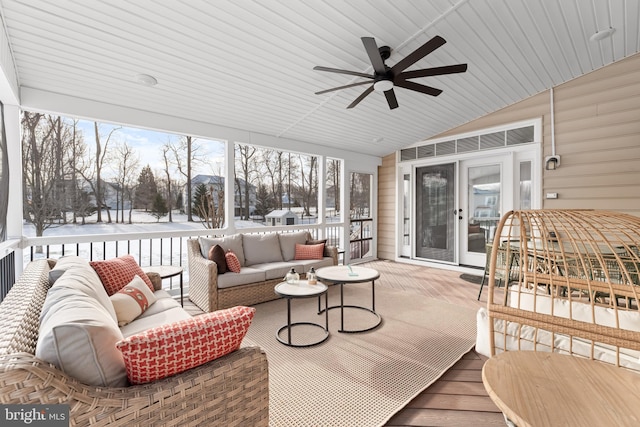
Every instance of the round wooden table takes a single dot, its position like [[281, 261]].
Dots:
[[549, 389], [344, 274]]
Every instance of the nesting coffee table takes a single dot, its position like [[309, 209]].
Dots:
[[345, 274], [302, 289]]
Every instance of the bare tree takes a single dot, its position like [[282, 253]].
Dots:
[[246, 165], [210, 207], [101, 156], [333, 180], [39, 172], [308, 183], [166, 148], [186, 155], [75, 156], [272, 162], [127, 166]]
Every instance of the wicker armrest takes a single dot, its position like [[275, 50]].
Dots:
[[156, 280], [231, 391], [203, 278], [332, 251]]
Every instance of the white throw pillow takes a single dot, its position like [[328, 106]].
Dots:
[[132, 300]]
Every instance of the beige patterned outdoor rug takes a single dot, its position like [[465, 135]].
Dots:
[[359, 379]]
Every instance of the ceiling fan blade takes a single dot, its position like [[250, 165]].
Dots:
[[435, 71], [336, 70], [418, 54], [362, 96], [374, 54], [418, 87], [342, 87], [391, 99]]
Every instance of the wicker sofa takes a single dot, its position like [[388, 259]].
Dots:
[[229, 391], [264, 258]]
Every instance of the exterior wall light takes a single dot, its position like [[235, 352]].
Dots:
[[552, 162]]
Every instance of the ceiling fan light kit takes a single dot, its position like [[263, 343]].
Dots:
[[383, 85], [385, 78], [601, 35]]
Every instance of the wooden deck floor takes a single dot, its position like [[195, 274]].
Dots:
[[458, 398]]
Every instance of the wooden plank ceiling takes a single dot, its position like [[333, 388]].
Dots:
[[249, 64]]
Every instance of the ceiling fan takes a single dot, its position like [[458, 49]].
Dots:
[[385, 78]]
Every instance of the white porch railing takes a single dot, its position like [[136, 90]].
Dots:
[[158, 248]]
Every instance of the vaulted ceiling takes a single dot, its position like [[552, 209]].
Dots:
[[249, 64]]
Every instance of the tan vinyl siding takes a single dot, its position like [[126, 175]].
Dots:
[[387, 207], [597, 135]]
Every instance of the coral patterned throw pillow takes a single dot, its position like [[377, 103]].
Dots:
[[309, 251], [116, 273], [233, 263], [176, 347]]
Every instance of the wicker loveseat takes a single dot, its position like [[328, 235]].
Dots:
[[229, 391], [573, 287], [264, 258]]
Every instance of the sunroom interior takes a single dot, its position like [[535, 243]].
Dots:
[[544, 115], [563, 75]]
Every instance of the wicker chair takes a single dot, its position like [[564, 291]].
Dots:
[[505, 268], [230, 391], [576, 290]]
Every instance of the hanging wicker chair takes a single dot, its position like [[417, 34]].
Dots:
[[575, 286]]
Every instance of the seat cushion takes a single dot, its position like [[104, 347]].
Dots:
[[246, 275], [261, 248], [176, 347], [74, 272], [288, 243], [79, 337], [306, 264], [228, 243], [278, 270]]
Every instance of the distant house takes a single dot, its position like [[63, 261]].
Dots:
[[281, 217], [217, 183]]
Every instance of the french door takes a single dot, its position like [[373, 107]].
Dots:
[[486, 190], [435, 229], [458, 204]]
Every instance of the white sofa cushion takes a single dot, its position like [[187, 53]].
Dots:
[[261, 248], [315, 263], [228, 243], [79, 336], [278, 270], [79, 275], [288, 243], [246, 275]]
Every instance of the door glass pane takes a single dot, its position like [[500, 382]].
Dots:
[[484, 192], [361, 221], [406, 210], [525, 185], [435, 217]]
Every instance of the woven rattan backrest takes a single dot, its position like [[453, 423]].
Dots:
[[20, 309], [572, 266]]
